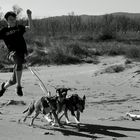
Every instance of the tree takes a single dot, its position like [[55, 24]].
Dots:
[[1, 14], [17, 10]]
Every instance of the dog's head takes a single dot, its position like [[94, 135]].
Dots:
[[52, 102], [81, 103], [62, 93]]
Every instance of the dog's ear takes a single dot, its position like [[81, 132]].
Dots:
[[47, 99], [68, 88], [59, 94], [84, 97], [64, 94], [57, 90], [49, 94]]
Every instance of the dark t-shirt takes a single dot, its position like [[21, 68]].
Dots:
[[13, 38]]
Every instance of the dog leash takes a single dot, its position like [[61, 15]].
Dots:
[[41, 84]]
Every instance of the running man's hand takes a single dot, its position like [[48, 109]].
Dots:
[[29, 12], [30, 24]]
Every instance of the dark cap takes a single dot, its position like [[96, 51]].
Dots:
[[10, 13]]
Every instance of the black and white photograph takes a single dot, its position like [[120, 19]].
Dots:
[[69, 70]]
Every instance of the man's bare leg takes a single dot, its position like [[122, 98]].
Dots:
[[18, 78]]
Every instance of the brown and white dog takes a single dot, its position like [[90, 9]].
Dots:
[[45, 105]]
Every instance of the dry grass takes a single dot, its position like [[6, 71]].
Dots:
[[59, 52], [75, 49]]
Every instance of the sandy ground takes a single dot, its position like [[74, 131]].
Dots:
[[109, 96]]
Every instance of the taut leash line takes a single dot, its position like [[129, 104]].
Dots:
[[41, 84]]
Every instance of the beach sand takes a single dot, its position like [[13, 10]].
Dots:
[[109, 96]]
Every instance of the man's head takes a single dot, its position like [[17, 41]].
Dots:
[[10, 18]]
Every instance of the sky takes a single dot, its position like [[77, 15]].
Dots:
[[47, 8]]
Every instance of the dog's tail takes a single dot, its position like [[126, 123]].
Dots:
[[30, 107], [25, 110]]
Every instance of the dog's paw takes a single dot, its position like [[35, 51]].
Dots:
[[68, 122], [61, 126], [53, 124], [31, 124], [48, 119], [78, 127], [19, 121], [77, 122]]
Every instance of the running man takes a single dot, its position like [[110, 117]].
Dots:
[[14, 40]]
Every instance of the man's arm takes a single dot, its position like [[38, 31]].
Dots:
[[30, 24]]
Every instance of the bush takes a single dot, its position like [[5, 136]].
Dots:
[[3, 56], [90, 60], [104, 37], [133, 52], [128, 61], [86, 38], [116, 50], [77, 49], [1, 66], [115, 69], [60, 52], [38, 57], [62, 55], [109, 48], [106, 34]]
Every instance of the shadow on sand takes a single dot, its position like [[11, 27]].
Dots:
[[90, 130]]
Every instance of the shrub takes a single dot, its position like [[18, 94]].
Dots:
[[62, 55], [3, 56], [133, 52], [1, 66], [60, 52], [116, 50], [77, 49], [110, 48], [128, 61], [38, 57], [106, 34], [115, 69], [90, 60], [86, 38]]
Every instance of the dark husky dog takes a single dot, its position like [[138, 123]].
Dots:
[[61, 93], [74, 104]]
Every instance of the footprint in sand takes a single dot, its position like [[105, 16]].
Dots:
[[77, 82], [13, 102], [63, 81], [12, 120], [50, 80], [48, 133]]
